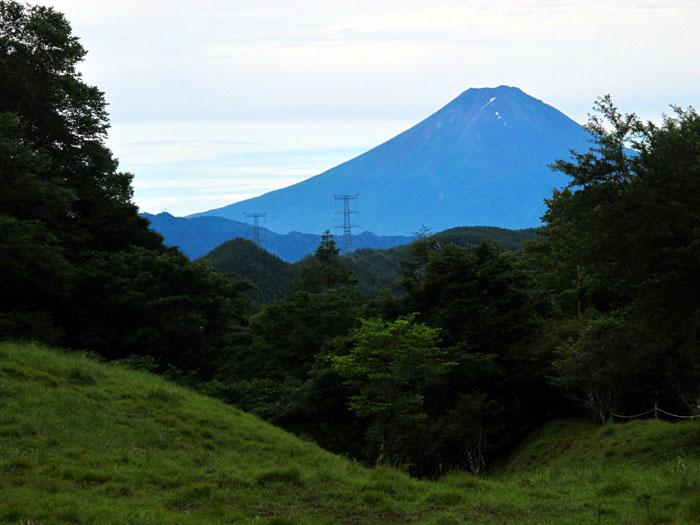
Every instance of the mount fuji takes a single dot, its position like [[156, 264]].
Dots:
[[480, 160]]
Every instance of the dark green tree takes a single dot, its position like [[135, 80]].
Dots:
[[602, 364], [285, 374], [324, 270], [481, 300], [64, 122], [622, 241], [389, 370], [79, 266], [181, 313], [35, 279]]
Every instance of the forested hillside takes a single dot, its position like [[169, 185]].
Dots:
[[375, 269], [378, 270], [242, 259]]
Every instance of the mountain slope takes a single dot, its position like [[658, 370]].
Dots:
[[480, 160], [88, 442], [197, 236], [244, 259]]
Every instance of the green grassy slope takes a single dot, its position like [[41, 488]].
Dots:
[[87, 442]]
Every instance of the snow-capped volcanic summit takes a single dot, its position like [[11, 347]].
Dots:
[[480, 160]]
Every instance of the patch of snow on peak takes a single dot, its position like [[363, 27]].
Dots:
[[498, 116], [491, 101]]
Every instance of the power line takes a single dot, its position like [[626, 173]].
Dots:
[[347, 224], [256, 225]]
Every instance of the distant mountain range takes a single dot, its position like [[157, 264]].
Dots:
[[198, 236], [480, 160]]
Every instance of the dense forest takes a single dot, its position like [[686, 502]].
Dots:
[[375, 269], [471, 347]]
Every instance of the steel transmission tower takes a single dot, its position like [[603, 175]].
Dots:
[[256, 225], [347, 214]]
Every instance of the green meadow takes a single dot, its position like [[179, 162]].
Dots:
[[83, 441]]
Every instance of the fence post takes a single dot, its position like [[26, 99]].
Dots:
[[656, 410]]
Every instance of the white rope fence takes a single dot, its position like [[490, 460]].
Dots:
[[656, 411], [676, 415], [634, 416]]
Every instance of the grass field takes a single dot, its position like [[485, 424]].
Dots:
[[88, 442]]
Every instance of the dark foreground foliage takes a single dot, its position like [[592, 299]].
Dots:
[[78, 266]]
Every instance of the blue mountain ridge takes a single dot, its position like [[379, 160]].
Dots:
[[196, 237], [483, 159]]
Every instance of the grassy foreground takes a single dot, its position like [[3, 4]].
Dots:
[[88, 442]]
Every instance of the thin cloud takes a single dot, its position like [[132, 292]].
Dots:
[[184, 77]]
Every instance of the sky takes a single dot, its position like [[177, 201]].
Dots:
[[216, 101]]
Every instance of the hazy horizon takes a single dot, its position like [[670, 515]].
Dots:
[[217, 101]]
